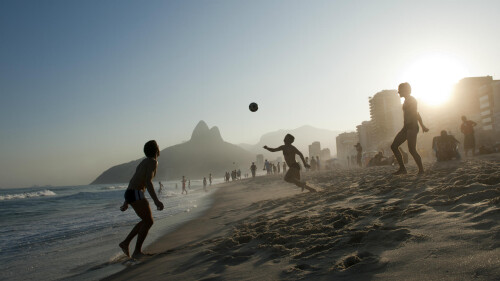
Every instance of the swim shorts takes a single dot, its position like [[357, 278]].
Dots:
[[132, 195]]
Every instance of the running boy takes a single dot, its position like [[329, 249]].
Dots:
[[289, 152]]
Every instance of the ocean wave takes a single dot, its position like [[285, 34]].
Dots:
[[114, 187], [26, 195]]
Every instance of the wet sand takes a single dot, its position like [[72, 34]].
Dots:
[[364, 224]]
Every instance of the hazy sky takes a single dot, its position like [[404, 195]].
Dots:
[[84, 84]]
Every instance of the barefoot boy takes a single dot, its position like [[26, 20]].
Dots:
[[289, 152], [134, 196]]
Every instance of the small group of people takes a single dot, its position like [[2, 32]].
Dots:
[[272, 168], [234, 175], [314, 164]]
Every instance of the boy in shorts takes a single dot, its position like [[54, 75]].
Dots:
[[289, 152]]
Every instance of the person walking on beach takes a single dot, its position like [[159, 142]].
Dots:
[[410, 130], [467, 129], [183, 181], [284, 167], [134, 196], [289, 152], [210, 178], [359, 153], [253, 169], [205, 183]]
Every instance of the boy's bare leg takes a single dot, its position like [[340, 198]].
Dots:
[[125, 243], [301, 184], [142, 209]]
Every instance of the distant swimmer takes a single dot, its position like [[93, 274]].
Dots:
[[467, 129], [410, 130], [253, 169], [134, 195], [160, 189], [205, 183], [183, 181], [289, 152]]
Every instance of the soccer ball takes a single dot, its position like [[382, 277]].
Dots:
[[253, 107]]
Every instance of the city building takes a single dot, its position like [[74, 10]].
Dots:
[[314, 149], [386, 116], [345, 146], [260, 160]]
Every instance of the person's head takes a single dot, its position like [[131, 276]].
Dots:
[[289, 139], [464, 118], [404, 89], [151, 149], [253, 163], [444, 133]]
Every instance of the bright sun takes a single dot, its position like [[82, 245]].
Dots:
[[432, 77]]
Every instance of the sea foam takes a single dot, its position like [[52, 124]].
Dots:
[[26, 195]]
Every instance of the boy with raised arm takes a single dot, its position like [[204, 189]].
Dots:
[[289, 152]]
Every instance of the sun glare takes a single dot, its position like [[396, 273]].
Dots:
[[432, 77]]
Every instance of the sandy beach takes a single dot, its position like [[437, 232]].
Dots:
[[364, 224]]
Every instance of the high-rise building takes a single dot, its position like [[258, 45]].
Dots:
[[260, 160], [314, 149], [365, 134], [345, 146], [386, 116]]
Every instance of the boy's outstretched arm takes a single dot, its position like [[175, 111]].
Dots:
[[273, 149], [302, 157]]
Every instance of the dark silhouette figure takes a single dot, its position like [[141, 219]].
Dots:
[[183, 181], [467, 129], [205, 183], [410, 130], [307, 162], [267, 167], [313, 164], [210, 178], [318, 163], [279, 167], [289, 152], [359, 153], [445, 146], [284, 167], [253, 169], [160, 189], [134, 195]]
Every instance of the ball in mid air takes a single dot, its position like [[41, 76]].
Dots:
[[253, 107]]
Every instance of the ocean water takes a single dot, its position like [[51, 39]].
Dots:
[[55, 233]]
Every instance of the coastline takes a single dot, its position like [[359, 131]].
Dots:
[[365, 224]]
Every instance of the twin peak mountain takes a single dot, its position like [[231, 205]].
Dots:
[[206, 152]]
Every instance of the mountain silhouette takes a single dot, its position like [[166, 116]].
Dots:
[[206, 152]]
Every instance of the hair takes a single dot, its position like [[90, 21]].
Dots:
[[444, 133], [151, 148], [463, 117], [405, 86], [289, 138]]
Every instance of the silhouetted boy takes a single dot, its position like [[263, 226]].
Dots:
[[289, 152]]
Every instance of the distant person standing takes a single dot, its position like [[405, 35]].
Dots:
[[267, 167], [307, 162], [189, 184], [279, 167], [318, 163], [467, 129], [359, 154], [274, 169], [313, 164], [289, 152], [210, 178], [284, 167], [183, 181], [410, 130], [253, 169], [160, 189], [134, 196], [205, 183]]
